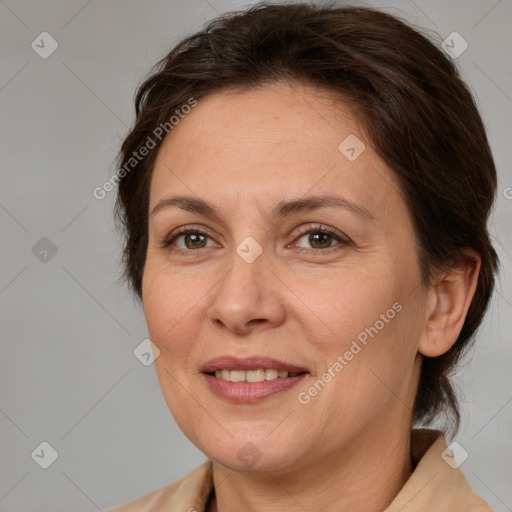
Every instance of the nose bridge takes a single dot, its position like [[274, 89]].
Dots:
[[244, 293]]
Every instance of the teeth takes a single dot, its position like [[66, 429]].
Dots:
[[259, 375], [271, 374], [255, 375], [237, 375]]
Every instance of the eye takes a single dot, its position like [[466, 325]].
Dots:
[[187, 238], [322, 238]]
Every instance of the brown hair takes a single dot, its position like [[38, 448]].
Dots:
[[418, 113]]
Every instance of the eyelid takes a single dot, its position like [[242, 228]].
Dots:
[[315, 227], [342, 241], [189, 228]]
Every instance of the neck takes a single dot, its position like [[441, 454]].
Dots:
[[364, 476]]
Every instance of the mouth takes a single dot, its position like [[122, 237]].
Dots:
[[252, 379], [259, 375]]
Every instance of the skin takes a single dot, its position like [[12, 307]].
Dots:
[[245, 151]]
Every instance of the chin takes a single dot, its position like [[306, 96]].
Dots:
[[253, 454]]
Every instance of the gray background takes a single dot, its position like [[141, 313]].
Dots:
[[68, 372]]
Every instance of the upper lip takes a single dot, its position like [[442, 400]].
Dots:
[[249, 363]]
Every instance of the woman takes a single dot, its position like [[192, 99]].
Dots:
[[305, 195]]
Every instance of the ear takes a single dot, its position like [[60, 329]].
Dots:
[[448, 302]]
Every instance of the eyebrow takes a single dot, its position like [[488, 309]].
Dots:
[[281, 210]]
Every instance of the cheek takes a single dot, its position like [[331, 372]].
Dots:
[[170, 302], [339, 303], [367, 315]]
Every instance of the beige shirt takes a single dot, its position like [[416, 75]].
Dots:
[[433, 486]]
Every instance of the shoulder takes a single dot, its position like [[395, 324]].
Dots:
[[189, 493]]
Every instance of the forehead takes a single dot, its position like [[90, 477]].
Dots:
[[275, 141]]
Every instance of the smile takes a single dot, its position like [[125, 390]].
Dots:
[[250, 379], [259, 375]]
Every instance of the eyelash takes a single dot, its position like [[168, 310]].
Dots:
[[343, 240]]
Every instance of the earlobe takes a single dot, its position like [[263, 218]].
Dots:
[[448, 304]]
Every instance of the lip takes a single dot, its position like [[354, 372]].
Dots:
[[250, 392], [249, 363]]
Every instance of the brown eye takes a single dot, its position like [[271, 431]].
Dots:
[[194, 240], [320, 240], [187, 239]]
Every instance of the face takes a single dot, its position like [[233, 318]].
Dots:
[[267, 279]]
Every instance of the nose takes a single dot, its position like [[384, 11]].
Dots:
[[248, 297]]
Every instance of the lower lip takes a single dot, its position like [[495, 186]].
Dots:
[[250, 392]]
